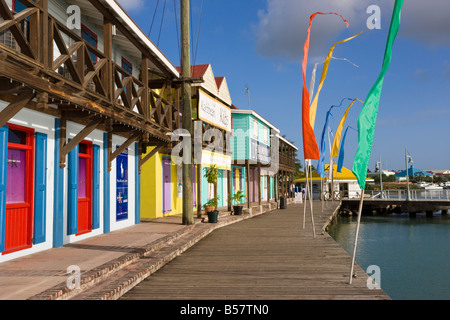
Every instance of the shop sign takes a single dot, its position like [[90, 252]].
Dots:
[[214, 112], [222, 161]]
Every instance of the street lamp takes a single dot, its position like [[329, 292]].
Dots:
[[408, 159], [378, 166]]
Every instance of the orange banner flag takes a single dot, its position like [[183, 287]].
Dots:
[[310, 146]]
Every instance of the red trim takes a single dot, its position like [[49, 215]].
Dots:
[[126, 61], [83, 27], [89, 180], [29, 184]]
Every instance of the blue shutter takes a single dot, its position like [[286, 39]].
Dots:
[[3, 171], [106, 187], [96, 189], [40, 187], [58, 199], [137, 190], [72, 212]]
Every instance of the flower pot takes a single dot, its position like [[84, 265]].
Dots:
[[212, 216], [209, 208], [237, 210]]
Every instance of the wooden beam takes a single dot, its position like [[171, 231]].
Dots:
[[14, 107], [124, 145], [150, 155], [80, 137]]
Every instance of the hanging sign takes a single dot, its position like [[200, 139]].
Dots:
[[213, 112]]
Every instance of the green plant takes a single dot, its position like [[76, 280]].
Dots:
[[213, 202], [211, 174], [238, 196]]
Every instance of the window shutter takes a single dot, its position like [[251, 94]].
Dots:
[[72, 210], [40, 187], [96, 188], [3, 171]]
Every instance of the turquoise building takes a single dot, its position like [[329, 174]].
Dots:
[[253, 165]]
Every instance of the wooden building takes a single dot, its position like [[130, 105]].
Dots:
[[286, 170], [255, 158], [83, 94]]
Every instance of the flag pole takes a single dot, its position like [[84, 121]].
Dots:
[[355, 244], [306, 191], [311, 202]]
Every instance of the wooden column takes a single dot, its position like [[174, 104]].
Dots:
[[145, 96], [199, 190], [247, 177], [259, 183], [229, 189], [107, 50]]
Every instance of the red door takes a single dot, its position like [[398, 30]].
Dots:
[[19, 189], [85, 188]]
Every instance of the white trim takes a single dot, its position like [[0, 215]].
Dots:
[[253, 113], [287, 142]]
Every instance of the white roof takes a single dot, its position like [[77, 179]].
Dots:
[[253, 113], [287, 142], [129, 24]]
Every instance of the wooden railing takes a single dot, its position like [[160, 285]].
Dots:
[[81, 69]]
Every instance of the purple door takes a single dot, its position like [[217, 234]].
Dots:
[[166, 185]]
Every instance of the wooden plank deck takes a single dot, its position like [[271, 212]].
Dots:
[[268, 257]]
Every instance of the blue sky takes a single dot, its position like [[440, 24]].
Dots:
[[259, 44]]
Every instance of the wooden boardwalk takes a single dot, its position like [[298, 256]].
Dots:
[[268, 257]]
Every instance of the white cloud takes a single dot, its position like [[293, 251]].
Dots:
[[282, 27], [130, 5]]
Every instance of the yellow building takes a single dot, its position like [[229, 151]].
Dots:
[[344, 182]]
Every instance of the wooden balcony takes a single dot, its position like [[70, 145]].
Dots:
[[82, 83]]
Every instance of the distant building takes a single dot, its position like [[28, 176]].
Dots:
[[344, 182], [440, 173], [412, 172]]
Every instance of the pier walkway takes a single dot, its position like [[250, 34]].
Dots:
[[264, 254], [268, 257]]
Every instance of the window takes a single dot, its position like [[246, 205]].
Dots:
[[127, 66], [91, 38]]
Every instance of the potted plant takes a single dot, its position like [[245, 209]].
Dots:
[[238, 197], [211, 176], [211, 209]]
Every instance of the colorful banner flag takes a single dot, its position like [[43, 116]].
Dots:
[[312, 82], [368, 116], [321, 163], [341, 151], [337, 136], [326, 64], [310, 147]]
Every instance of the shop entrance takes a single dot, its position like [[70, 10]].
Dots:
[[85, 187], [19, 189]]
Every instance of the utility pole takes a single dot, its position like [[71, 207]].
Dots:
[[188, 211], [248, 95], [408, 196], [381, 179]]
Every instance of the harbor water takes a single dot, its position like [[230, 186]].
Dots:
[[413, 254]]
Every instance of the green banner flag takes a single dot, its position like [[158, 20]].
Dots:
[[368, 116]]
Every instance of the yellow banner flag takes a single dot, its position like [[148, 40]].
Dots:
[[337, 135], [313, 108]]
